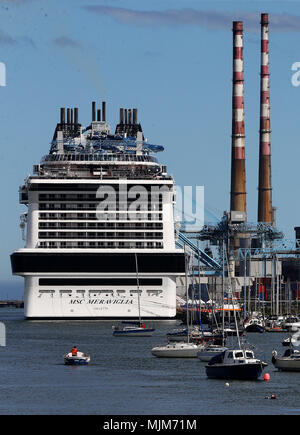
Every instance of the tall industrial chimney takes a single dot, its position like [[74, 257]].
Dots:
[[265, 212], [238, 172]]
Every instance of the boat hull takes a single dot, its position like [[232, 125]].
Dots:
[[287, 364], [175, 352], [134, 333], [254, 328], [234, 371], [79, 360], [206, 356], [104, 302]]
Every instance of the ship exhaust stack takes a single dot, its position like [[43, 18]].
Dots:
[[68, 116], [265, 209], [134, 111], [98, 115], [238, 171], [76, 115], [93, 111], [62, 115], [103, 111], [121, 116]]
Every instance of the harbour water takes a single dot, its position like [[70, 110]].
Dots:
[[123, 377]]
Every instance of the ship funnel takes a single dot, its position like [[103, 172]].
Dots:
[[75, 115], [238, 172], [62, 115], [103, 111], [121, 116], [68, 116], [99, 115], [265, 209], [93, 111], [134, 111]]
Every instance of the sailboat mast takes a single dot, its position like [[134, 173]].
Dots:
[[232, 301], [138, 286], [187, 297], [223, 281]]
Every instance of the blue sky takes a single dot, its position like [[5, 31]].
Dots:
[[170, 58]]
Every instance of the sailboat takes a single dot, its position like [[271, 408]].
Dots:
[[290, 360], [131, 328], [235, 363], [179, 349]]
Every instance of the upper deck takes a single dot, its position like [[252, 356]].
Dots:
[[94, 152]]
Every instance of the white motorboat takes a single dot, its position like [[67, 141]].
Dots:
[[79, 359], [291, 323], [289, 362], [177, 350], [210, 351]]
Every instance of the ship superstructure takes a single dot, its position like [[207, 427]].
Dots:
[[93, 202]]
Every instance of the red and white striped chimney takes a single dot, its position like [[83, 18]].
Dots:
[[238, 171], [265, 210]]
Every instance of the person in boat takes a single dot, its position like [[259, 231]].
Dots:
[[143, 325], [74, 351]]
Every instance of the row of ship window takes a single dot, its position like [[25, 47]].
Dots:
[[102, 225], [98, 235], [95, 293], [102, 216], [99, 157], [110, 245], [154, 197], [145, 206]]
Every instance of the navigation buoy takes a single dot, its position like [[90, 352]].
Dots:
[[227, 384], [266, 377]]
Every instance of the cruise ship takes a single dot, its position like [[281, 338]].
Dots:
[[99, 227]]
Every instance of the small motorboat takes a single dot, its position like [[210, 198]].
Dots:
[[79, 359], [235, 364], [132, 329], [209, 351], [254, 325], [289, 362], [177, 350]]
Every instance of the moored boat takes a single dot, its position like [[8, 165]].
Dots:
[[289, 362], [132, 330], [254, 325], [177, 350], [235, 364], [209, 351]]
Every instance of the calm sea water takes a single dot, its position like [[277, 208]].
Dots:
[[123, 377]]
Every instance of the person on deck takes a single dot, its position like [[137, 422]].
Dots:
[[74, 351]]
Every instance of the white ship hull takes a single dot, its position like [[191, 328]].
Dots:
[[102, 303]]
